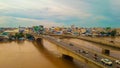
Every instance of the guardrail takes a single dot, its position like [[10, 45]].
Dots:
[[81, 52]]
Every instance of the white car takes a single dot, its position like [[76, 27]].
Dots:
[[106, 61], [117, 61]]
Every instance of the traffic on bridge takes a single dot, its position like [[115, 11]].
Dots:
[[95, 57]]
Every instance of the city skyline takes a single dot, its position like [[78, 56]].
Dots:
[[83, 13]]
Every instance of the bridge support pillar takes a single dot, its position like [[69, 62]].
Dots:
[[67, 57], [39, 41], [106, 51]]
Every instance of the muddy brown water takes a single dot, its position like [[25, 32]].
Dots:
[[27, 54]]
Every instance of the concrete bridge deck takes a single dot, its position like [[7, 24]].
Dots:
[[107, 43], [77, 52]]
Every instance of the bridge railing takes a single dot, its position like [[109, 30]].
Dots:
[[82, 52]]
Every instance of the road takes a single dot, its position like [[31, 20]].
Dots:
[[96, 47], [79, 51]]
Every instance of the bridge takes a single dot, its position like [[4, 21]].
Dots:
[[90, 39], [106, 48], [71, 52]]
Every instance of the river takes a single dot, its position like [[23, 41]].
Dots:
[[27, 54]]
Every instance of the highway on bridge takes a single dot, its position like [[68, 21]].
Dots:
[[115, 53], [81, 51]]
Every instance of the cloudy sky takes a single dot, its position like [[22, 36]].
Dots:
[[83, 13]]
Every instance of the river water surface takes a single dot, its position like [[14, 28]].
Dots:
[[31, 55]]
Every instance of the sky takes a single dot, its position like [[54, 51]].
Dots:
[[81, 13]]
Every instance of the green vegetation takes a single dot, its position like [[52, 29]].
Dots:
[[113, 33], [19, 35], [29, 35]]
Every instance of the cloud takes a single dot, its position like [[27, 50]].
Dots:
[[41, 8], [115, 7], [57, 11], [7, 21]]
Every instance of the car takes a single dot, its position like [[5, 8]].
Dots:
[[85, 52], [95, 56], [107, 62], [118, 62]]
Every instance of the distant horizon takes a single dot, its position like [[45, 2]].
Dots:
[[60, 27], [82, 13]]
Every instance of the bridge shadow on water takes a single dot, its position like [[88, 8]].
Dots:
[[58, 62]]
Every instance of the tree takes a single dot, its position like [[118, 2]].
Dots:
[[108, 29], [113, 35], [19, 35]]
